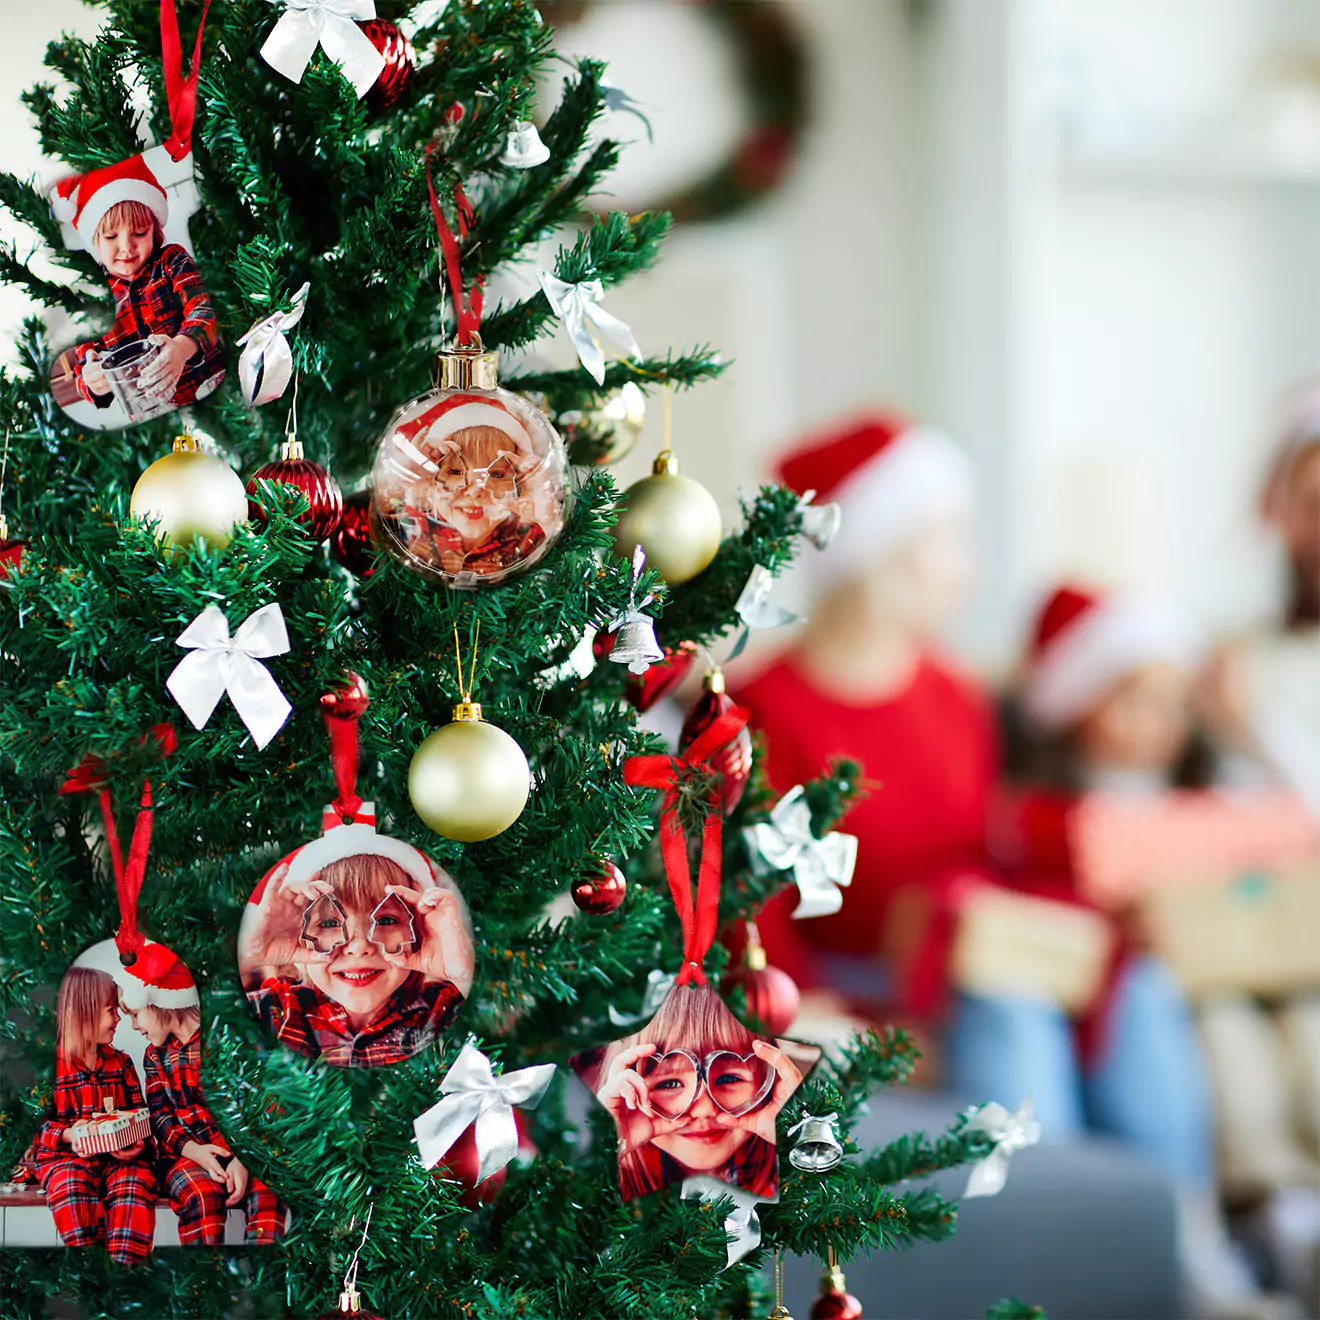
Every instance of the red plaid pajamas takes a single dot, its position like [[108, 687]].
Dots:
[[179, 1115], [314, 1024], [166, 297], [97, 1198]]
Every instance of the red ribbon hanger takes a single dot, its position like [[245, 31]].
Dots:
[[343, 709], [699, 919], [467, 302], [180, 92], [88, 776]]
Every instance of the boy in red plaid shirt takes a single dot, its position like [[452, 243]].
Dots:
[[119, 214], [377, 941], [95, 1198], [203, 1177]]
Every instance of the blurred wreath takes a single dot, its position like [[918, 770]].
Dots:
[[770, 58]]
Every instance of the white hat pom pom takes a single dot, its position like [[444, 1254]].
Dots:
[[65, 208]]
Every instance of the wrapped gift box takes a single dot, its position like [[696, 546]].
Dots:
[[111, 1131]]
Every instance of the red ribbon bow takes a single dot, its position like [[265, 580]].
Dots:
[[88, 776], [701, 919], [180, 92]]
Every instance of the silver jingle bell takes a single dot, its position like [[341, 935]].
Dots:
[[635, 644], [821, 523], [818, 1150]]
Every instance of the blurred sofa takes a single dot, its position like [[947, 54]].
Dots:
[[1085, 1230]]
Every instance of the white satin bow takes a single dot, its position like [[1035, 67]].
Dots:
[[1010, 1132], [219, 664], [265, 365], [524, 148], [332, 25], [577, 305], [471, 1093], [820, 866], [756, 610]]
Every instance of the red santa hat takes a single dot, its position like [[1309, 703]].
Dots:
[[82, 200], [460, 411], [352, 840], [889, 477], [1084, 642], [157, 978]]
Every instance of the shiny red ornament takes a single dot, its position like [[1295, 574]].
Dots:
[[835, 1305], [325, 501], [350, 1305], [11, 553], [773, 998], [460, 1165], [350, 542], [397, 52], [645, 690], [601, 888], [349, 700], [734, 759]]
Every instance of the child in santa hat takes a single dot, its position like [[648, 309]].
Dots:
[[866, 679], [95, 1198], [356, 949], [1106, 693], [203, 1177], [119, 214]]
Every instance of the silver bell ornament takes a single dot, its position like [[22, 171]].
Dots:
[[818, 1149], [635, 645]]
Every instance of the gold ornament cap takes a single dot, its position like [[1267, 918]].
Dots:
[[713, 681], [470, 368], [467, 710], [833, 1281], [665, 465], [350, 1302], [4, 528], [186, 444], [291, 449]]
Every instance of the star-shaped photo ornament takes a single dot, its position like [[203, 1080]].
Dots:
[[696, 1093]]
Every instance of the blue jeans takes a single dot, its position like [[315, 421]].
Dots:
[[1147, 1088]]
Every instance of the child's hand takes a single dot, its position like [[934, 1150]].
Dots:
[[207, 1156], [271, 931], [236, 1179], [624, 1094], [160, 377], [788, 1077], [93, 377], [444, 951], [129, 1152]]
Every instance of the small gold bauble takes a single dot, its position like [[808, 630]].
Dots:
[[673, 518], [469, 780], [190, 493]]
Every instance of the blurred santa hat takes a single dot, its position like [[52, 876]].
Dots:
[[157, 978], [1084, 642], [889, 477], [1299, 429], [82, 200]]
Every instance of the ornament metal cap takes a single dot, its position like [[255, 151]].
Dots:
[[818, 1149], [467, 710], [350, 1302], [713, 681], [466, 368], [665, 465], [186, 443], [292, 449], [833, 1281]]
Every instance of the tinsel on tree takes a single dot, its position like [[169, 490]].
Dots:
[[307, 183]]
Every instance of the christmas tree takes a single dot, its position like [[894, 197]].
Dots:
[[306, 182]]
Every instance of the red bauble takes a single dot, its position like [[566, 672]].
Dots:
[[644, 690], [350, 1305], [348, 700], [324, 498], [835, 1305], [397, 52], [11, 553], [734, 759], [773, 998], [350, 542], [601, 888]]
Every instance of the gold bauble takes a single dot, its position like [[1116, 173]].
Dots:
[[607, 430], [190, 493], [469, 780], [673, 518]]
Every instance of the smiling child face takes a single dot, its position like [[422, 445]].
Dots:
[[107, 1023], [476, 481], [126, 238]]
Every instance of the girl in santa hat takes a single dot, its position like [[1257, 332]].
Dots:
[[94, 1198], [119, 214], [203, 1177], [1106, 696]]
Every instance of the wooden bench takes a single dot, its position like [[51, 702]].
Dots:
[[26, 1220]]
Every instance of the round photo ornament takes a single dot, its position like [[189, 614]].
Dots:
[[355, 948]]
